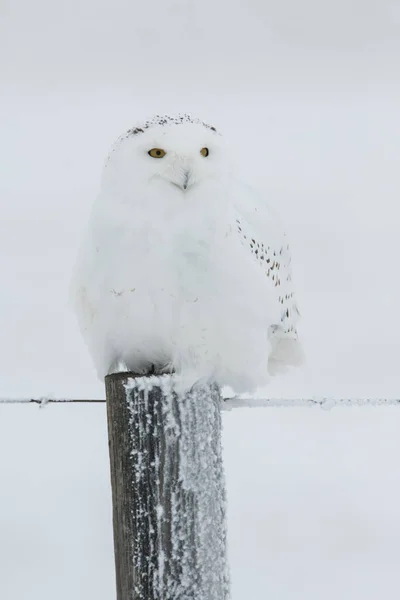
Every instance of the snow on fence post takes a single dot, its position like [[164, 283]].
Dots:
[[168, 489]]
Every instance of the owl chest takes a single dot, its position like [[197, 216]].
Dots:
[[163, 264]]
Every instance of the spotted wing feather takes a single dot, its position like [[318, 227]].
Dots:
[[261, 233]]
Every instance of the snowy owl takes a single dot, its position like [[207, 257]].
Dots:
[[184, 268]]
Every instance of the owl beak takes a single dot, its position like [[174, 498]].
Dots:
[[183, 177], [186, 180]]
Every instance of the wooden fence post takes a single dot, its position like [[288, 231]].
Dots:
[[168, 489]]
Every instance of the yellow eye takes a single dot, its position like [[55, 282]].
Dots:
[[157, 153], [204, 152]]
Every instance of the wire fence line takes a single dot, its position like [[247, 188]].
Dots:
[[45, 400], [322, 401], [235, 402]]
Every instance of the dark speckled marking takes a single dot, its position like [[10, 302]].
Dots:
[[166, 120]]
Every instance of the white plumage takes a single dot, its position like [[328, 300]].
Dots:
[[183, 267]]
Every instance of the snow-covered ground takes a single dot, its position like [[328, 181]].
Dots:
[[308, 95]]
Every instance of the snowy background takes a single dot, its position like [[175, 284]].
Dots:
[[308, 93]]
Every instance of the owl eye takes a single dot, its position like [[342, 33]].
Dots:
[[157, 153], [204, 152]]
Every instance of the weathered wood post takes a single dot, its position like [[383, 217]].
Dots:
[[168, 489]]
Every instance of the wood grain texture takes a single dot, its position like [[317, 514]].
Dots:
[[168, 490]]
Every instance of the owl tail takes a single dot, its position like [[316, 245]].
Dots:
[[286, 351]]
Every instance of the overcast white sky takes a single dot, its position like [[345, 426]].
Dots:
[[176, 43]]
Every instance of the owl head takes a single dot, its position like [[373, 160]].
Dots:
[[167, 152]]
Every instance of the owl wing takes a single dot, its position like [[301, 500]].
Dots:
[[262, 233]]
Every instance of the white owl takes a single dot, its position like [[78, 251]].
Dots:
[[184, 268]]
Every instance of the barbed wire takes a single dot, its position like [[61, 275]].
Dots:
[[323, 402], [235, 402], [46, 400]]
